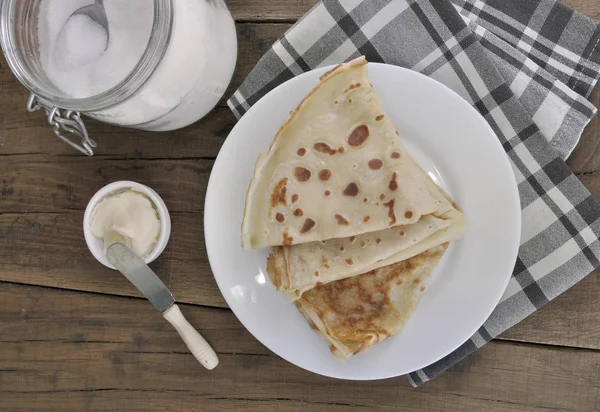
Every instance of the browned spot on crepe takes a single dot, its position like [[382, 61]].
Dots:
[[416, 280], [395, 155], [351, 87], [279, 217], [391, 214], [375, 164], [381, 196], [302, 174], [352, 239], [341, 220], [298, 212], [294, 198], [327, 192], [323, 147], [307, 225], [379, 118], [324, 263], [393, 183], [402, 233], [378, 240], [342, 248], [349, 100], [397, 134], [287, 239], [317, 274], [336, 102], [325, 174], [365, 200], [278, 197], [362, 244], [349, 261], [408, 214], [366, 219], [301, 151], [422, 288], [341, 150], [351, 189], [359, 135]]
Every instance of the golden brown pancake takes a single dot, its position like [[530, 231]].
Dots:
[[355, 313]]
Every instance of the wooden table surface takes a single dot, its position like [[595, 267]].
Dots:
[[75, 336]]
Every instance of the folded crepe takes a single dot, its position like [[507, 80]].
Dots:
[[358, 312], [298, 268], [336, 168]]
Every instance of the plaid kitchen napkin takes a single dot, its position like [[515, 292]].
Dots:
[[527, 66]]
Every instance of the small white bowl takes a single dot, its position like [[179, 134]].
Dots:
[[96, 245]]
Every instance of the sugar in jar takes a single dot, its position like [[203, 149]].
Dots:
[[158, 65]]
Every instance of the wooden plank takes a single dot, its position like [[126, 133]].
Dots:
[[28, 133], [590, 8], [265, 10], [585, 158], [30, 184], [569, 320], [71, 351], [49, 249]]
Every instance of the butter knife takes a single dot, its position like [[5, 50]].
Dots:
[[143, 278]]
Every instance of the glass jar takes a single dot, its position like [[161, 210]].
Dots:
[[183, 71]]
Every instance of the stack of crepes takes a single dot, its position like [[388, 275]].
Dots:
[[355, 225]]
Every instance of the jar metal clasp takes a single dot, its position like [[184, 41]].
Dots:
[[63, 122]]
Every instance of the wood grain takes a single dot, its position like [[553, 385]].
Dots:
[[63, 350], [49, 249], [590, 8], [569, 320], [585, 159], [29, 184], [265, 10]]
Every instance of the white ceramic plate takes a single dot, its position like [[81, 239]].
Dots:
[[455, 145]]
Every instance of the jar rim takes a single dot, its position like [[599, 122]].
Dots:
[[152, 56]]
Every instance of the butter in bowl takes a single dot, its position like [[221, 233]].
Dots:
[[131, 212]]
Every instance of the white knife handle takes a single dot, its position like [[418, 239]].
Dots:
[[194, 341]]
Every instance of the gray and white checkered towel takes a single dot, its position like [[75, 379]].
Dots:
[[527, 66]]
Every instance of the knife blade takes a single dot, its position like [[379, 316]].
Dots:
[[140, 275], [146, 281]]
